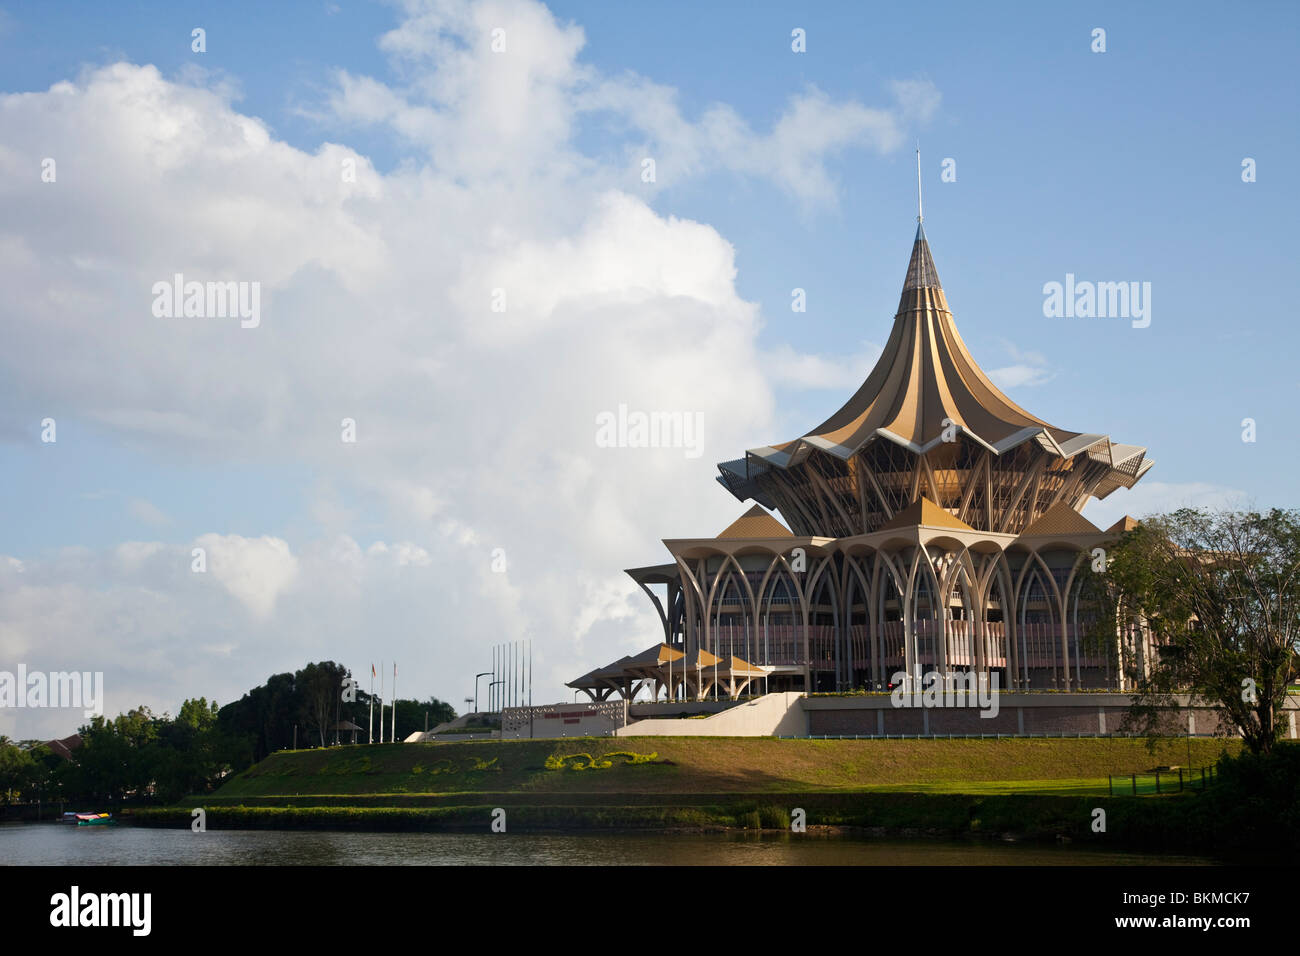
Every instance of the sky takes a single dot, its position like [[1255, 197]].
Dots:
[[457, 246]]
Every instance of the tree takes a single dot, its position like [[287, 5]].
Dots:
[[16, 767], [1220, 593], [320, 687], [114, 758], [43, 780], [261, 722], [190, 754]]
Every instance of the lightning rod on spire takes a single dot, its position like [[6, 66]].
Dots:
[[919, 217]]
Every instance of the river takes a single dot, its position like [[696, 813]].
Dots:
[[58, 845]]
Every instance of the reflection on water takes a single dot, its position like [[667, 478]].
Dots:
[[55, 844]]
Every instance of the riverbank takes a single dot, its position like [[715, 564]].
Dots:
[[1045, 790], [1157, 824]]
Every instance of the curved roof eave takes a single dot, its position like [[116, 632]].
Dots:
[[795, 451]]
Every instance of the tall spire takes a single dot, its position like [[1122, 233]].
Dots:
[[921, 273], [926, 384]]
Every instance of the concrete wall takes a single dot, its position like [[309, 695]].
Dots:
[[793, 715], [592, 719], [773, 715], [420, 737], [1017, 714], [645, 709]]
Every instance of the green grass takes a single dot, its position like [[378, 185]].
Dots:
[[714, 765]]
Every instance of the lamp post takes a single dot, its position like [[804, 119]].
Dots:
[[476, 677]]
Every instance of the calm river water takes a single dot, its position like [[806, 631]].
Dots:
[[56, 844]]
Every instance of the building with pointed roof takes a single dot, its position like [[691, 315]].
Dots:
[[930, 524], [928, 422]]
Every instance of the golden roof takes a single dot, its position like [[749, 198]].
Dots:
[[924, 512], [926, 388], [755, 523], [702, 658], [1060, 519], [659, 654], [733, 665]]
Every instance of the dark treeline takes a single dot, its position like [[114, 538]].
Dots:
[[315, 701], [143, 756]]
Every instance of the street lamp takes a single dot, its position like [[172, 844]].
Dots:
[[476, 677]]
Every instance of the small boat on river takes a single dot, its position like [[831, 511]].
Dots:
[[88, 819]]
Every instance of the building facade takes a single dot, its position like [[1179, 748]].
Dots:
[[931, 524]]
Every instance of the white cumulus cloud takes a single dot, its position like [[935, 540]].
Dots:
[[475, 427]]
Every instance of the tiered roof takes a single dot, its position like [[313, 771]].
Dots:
[[925, 388]]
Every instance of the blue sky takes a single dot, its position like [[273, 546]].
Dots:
[[1115, 166]]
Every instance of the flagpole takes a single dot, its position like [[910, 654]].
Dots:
[[393, 735], [370, 724], [381, 701]]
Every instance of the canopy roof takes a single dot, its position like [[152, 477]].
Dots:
[[658, 663], [927, 387]]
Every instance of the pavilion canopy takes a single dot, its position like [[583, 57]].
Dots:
[[662, 665]]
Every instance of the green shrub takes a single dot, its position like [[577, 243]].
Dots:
[[572, 761]]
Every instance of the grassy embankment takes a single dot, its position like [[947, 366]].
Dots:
[[686, 766], [1028, 787]]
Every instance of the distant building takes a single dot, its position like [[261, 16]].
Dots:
[[64, 747]]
